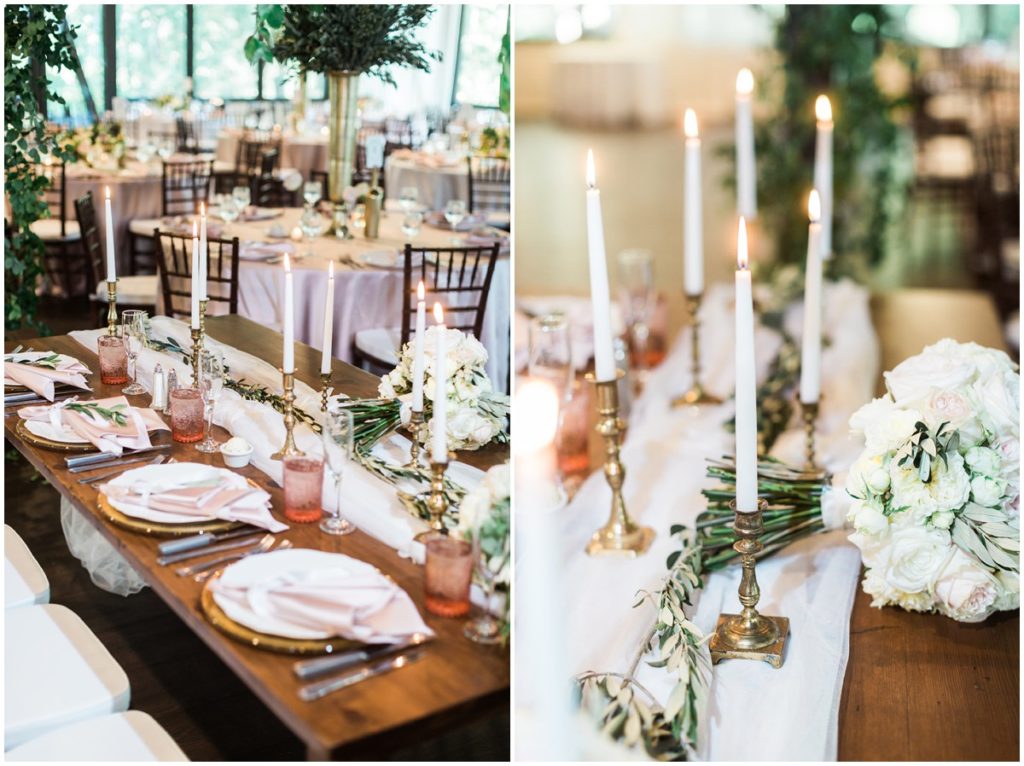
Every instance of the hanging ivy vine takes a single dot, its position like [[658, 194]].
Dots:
[[36, 37]]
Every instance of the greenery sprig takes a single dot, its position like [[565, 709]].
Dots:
[[115, 413], [50, 361], [986, 534], [923, 448]]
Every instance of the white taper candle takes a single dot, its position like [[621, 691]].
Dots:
[[439, 427], [328, 334], [810, 351], [194, 275], [203, 252], [823, 171], [746, 385], [746, 174], [288, 363], [604, 356], [109, 221], [693, 232], [417, 357]]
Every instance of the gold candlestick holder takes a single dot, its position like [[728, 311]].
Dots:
[[696, 394], [437, 502], [809, 410], [197, 345], [749, 635], [325, 379], [620, 535], [289, 449], [202, 317], [111, 307], [416, 421]]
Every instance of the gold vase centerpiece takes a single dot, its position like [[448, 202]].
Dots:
[[343, 122]]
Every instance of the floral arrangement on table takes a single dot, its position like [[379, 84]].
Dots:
[[172, 101], [100, 146], [937, 489], [495, 142], [489, 505], [476, 413]]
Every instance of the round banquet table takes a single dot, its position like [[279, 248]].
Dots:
[[365, 297], [437, 178], [303, 152]]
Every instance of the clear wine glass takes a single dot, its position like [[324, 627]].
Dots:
[[339, 443], [408, 198], [455, 212], [312, 192], [312, 225], [228, 209], [489, 560], [133, 332], [638, 298], [551, 352], [211, 383], [242, 197], [411, 224]]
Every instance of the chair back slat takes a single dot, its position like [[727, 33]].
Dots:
[[174, 262], [490, 184], [92, 246], [54, 196], [185, 185]]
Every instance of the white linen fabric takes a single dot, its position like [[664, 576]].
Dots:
[[791, 713], [436, 180], [107, 568]]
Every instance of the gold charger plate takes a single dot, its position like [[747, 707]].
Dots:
[[267, 641], [40, 441]]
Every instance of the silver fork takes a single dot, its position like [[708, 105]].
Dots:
[[204, 576], [263, 545]]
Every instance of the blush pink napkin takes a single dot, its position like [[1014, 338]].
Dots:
[[106, 435], [42, 380]]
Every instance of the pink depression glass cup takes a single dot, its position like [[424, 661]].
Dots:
[[186, 415], [303, 489], [448, 571], [113, 360]]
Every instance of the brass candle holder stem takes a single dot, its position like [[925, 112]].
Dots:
[[809, 410], [620, 535], [416, 420], [111, 307], [202, 317], [437, 502], [289, 449], [325, 379], [197, 345], [696, 394], [749, 635]]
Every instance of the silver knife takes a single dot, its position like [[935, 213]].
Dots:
[[110, 464], [202, 540], [254, 536], [101, 457], [307, 669], [120, 469], [320, 689]]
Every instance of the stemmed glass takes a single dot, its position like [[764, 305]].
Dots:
[[242, 197], [312, 191], [338, 443], [408, 198], [228, 209], [411, 224], [638, 298], [211, 383], [133, 332], [454, 213], [490, 558]]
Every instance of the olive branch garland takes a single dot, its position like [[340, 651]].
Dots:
[[50, 361], [114, 414]]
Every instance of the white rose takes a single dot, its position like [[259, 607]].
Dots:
[[468, 428], [964, 590], [870, 413], [913, 379], [473, 505], [499, 480], [879, 481], [942, 519], [867, 517], [948, 489], [987, 361], [915, 555], [884, 592], [998, 401], [956, 410], [386, 388], [1008, 597], [857, 483], [891, 432], [983, 460], [986, 491]]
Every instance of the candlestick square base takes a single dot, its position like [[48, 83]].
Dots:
[[730, 642], [630, 544], [696, 395]]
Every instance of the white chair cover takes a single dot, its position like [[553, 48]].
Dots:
[[130, 736], [25, 581]]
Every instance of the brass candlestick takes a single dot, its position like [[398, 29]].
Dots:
[[620, 535], [749, 635], [437, 502], [197, 345], [810, 415], [325, 378], [202, 316], [111, 307], [416, 421], [289, 449], [696, 394]]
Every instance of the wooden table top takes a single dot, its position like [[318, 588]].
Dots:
[[455, 680], [923, 687]]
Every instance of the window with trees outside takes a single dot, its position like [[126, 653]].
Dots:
[[478, 73]]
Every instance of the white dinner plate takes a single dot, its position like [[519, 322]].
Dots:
[[45, 430], [381, 259], [169, 474]]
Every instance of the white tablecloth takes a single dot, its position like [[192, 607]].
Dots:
[[755, 712], [437, 181], [302, 152]]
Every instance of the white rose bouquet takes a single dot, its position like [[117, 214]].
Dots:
[[936, 492], [476, 413]]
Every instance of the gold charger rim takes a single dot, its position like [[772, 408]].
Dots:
[[267, 641], [40, 441]]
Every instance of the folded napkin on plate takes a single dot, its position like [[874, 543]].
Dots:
[[92, 421], [470, 222], [258, 251], [196, 495], [319, 593], [181, 224], [24, 370]]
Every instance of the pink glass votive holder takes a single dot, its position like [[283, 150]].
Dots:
[[303, 489], [573, 440], [448, 571], [113, 360], [186, 415]]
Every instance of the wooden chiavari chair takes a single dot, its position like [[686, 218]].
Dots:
[[174, 256]]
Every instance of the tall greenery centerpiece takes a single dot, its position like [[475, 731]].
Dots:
[[343, 42], [36, 36], [831, 50]]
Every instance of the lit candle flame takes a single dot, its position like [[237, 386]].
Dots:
[[536, 408], [202, 209], [106, 190], [330, 271], [690, 124], [195, 230], [814, 206], [742, 259], [438, 313], [744, 82], [823, 109], [287, 263], [421, 292], [591, 173]]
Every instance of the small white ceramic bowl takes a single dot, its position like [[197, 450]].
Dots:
[[236, 459]]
